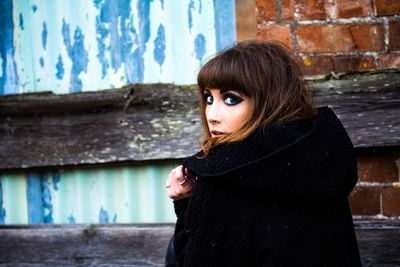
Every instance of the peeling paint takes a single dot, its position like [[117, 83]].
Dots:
[[200, 46], [44, 36], [8, 79], [2, 210], [159, 45], [59, 68], [47, 200], [56, 177], [71, 219], [21, 22], [107, 43], [77, 54], [41, 62], [103, 216], [190, 14], [224, 24], [34, 198]]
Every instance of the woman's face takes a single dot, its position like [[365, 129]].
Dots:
[[226, 112]]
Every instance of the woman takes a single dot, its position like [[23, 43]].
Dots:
[[270, 185]]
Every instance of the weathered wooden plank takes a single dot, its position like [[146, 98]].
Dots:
[[84, 245], [155, 122], [145, 245], [379, 242]]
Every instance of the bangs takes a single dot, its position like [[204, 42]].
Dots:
[[226, 72]]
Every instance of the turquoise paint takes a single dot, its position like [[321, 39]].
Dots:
[[122, 39], [159, 45], [225, 23], [21, 22], [190, 14], [77, 54], [114, 16], [8, 78], [46, 196], [102, 33], [103, 216], [131, 194], [34, 198], [2, 210], [41, 62], [143, 8], [44, 36], [59, 68], [71, 219], [34, 8], [114, 23], [200, 46], [56, 178]]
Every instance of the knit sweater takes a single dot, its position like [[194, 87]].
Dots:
[[276, 198]]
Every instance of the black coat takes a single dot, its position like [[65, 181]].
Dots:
[[277, 198]]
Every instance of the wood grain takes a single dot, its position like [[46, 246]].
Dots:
[[160, 121], [145, 244]]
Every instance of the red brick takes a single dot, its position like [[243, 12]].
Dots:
[[265, 10], [340, 38], [353, 8], [315, 65], [286, 9], [365, 201], [304, 9], [391, 201], [389, 61], [368, 37], [394, 35], [387, 7], [378, 167], [352, 64], [275, 32]]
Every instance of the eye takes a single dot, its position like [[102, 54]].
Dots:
[[231, 99], [208, 98]]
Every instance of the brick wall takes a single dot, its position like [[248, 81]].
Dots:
[[334, 36], [342, 36], [378, 190]]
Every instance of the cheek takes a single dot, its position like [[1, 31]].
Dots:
[[239, 118]]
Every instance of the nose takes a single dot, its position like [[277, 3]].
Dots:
[[212, 113]]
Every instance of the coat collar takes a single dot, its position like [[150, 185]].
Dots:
[[263, 143]]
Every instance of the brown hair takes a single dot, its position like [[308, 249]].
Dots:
[[264, 72]]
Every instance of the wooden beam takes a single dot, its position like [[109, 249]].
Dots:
[[145, 244], [84, 245], [156, 122]]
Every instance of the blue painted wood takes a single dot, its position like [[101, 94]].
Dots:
[[2, 210], [87, 45], [34, 198], [225, 23], [8, 73]]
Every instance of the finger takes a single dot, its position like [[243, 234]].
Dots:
[[179, 171]]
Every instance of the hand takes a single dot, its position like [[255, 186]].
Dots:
[[180, 183]]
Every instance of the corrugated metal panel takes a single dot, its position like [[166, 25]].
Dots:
[[134, 194], [72, 46], [13, 201]]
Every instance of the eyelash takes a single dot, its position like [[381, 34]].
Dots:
[[234, 99]]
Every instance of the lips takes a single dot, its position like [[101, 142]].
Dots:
[[215, 133]]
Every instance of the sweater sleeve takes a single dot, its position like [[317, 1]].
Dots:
[[180, 237]]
